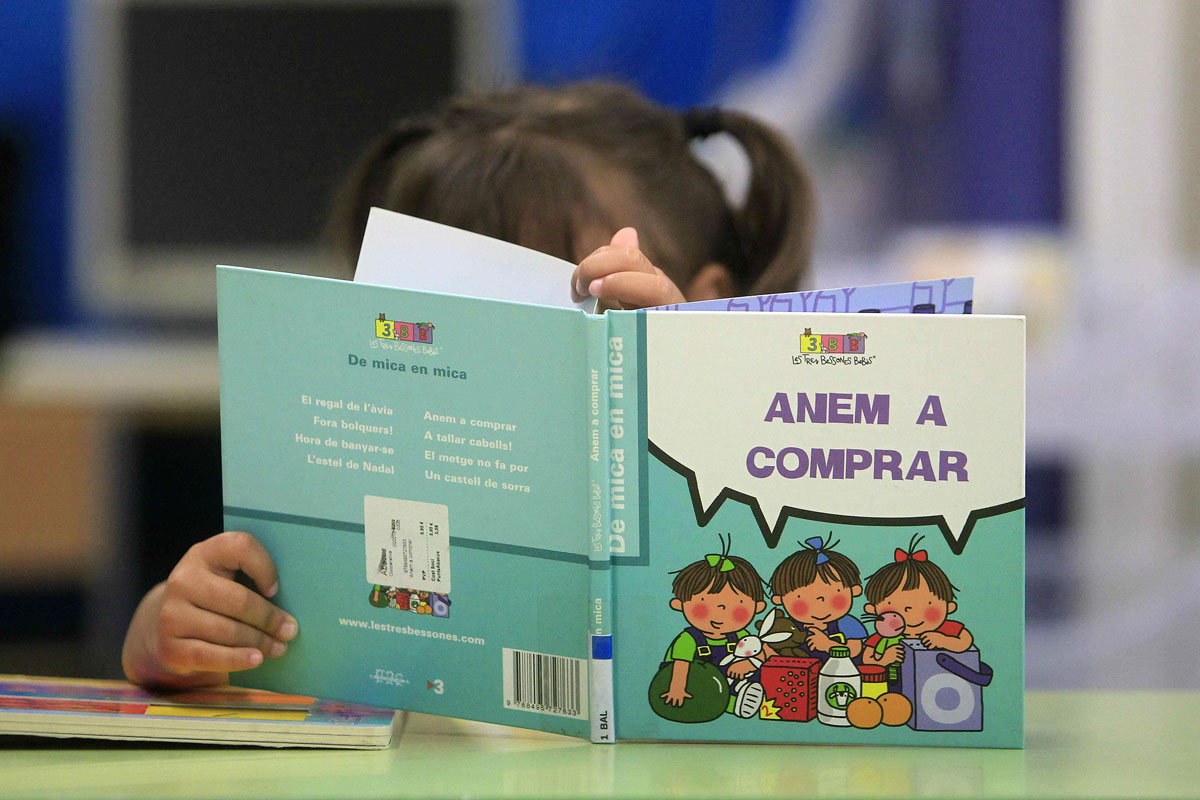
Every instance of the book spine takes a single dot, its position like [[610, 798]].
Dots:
[[622, 508], [600, 674]]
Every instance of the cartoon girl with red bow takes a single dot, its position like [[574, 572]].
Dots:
[[919, 591]]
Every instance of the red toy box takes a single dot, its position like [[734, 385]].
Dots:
[[790, 688]]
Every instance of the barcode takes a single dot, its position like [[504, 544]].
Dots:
[[544, 683]]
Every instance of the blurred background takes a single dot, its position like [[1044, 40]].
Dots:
[[1047, 147]]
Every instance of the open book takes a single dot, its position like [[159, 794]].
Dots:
[[531, 515]]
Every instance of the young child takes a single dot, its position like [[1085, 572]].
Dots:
[[816, 587], [556, 170], [719, 597], [919, 591], [560, 170]]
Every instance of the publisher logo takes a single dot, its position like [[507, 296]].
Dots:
[[411, 337], [844, 349], [390, 677], [854, 344], [421, 332], [385, 567]]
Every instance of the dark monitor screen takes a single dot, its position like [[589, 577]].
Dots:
[[241, 119], [212, 132]]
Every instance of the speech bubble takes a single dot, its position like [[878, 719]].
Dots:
[[868, 419]]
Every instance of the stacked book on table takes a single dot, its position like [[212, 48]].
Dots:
[[96, 709]]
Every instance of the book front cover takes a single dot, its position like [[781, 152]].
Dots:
[[824, 529]]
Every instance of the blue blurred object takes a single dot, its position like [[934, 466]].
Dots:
[[33, 118], [967, 96], [678, 52], [990, 150]]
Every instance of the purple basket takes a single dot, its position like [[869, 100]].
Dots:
[[945, 689]]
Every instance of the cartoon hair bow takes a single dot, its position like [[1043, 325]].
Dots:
[[818, 544], [723, 562], [916, 555]]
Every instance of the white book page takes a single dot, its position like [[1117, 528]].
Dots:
[[410, 253]]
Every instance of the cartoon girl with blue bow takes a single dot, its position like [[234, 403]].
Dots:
[[816, 586]]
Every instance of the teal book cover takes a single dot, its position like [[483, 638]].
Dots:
[[416, 465], [673, 524], [826, 538]]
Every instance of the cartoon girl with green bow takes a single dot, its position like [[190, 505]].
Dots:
[[719, 597]]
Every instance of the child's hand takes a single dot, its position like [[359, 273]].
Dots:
[[819, 640], [620, 276], [675, 697], [892, 655], [201, 624], [740, 669], [934, 640]]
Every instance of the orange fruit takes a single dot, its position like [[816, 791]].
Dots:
[[896, 708], [865, 712]]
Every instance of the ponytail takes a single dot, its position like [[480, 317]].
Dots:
[[775, 223]]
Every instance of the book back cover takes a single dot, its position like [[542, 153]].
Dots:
[[416, 464]]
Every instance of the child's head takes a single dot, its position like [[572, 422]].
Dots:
[[914, 587], [561, 169], [815, 584], [719, 594]]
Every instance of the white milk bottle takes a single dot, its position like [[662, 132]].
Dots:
[[839, 684]]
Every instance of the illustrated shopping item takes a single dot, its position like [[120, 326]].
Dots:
[[896, 709], [707, 685], [839, 685], [945, 689], [874, 680], [864, 713], [790, 688]]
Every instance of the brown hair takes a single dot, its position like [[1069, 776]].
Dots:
[[554, 168], [801, 569], [701, 576], [908, 574]]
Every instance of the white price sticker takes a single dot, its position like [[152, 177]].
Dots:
[[407, 544]]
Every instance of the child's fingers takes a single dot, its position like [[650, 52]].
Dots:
[[626, 237], [228, 598], [636, 289], [606, 261], [234, 550], [185, 621], [194, 655]]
